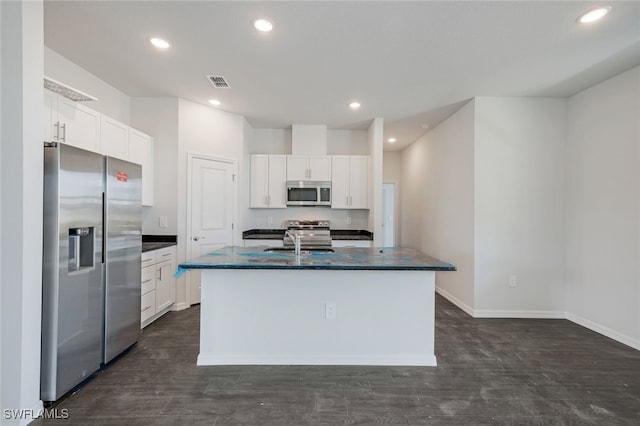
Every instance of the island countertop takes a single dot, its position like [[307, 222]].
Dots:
[[347, 258]]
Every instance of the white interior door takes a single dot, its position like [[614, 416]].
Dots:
[[388, 214], [212, 190]]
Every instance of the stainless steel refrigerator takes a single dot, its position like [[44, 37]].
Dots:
[[92, 245]]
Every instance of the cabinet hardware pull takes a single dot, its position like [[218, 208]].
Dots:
[[146, 308], [57, 127], [166, 254], [146, 281], [147, 260], [64, 132]]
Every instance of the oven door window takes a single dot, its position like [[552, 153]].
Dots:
[[302, 194]]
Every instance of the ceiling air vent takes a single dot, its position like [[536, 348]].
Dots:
[[218, 82], [66, 91]]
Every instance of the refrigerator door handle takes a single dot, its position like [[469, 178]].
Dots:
[[104, 230]]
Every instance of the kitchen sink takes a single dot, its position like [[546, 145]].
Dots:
[[303, 251]]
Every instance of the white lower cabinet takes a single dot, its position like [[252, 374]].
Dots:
[[351, 243], [270, 243], [158, 284]]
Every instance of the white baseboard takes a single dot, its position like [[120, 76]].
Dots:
[[593, 326], [486, 313], [605, 331], [180, 306], [388, 360], [451, 298]]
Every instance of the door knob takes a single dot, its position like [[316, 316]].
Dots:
[[196, 238]]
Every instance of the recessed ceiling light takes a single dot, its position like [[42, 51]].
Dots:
[[391, 140], [354, 105], [594, 15], [263, 25], [160, 43], [214, 102]]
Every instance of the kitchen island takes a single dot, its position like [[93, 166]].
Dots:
[[348, 306]]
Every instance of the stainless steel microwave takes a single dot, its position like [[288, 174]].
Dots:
[[305, 193]]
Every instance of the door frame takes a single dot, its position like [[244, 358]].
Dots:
[[234, 207]]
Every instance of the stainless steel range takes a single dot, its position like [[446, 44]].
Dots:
[[313, 234]]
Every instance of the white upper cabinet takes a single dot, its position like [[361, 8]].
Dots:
[[140, 151], [268, 181], [70, 122], [114, 138], [350, 182], [306, 168], [297, 167]]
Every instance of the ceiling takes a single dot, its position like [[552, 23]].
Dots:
[[411, 63]]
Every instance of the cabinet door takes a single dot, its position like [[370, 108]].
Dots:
[[148, 279], [320, 168], [340, 182], [257, 243], [50, 116], [259, 185], [164, 284], [297, 167], [277, 195], [79, 125], [148, 306], [114, 138], [140, 151], [351, 243], [359, 182]]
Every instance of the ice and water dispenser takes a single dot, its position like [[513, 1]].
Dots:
[[81, 248]]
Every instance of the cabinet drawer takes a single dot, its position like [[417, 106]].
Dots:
[[148, 306], [270, 243], [148, 279], [148, 258], [167, 253]]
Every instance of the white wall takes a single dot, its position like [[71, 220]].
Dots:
[[211, 132], [602, 208], [438, 201], [392, 173], [269, 141], [159, 117], [111, 101], [21, 112], [374, 142], [347, 142], [519, 206]]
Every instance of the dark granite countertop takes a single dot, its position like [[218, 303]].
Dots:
[[348, 258], [156, 242], [351, 234], [336, 234], [263, 234]]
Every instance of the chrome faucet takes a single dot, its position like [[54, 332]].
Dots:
[[295, 237]]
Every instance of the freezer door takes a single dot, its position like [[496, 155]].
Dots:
[[123, 250], [72, 269]]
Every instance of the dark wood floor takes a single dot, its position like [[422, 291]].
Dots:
[[490, 372]]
